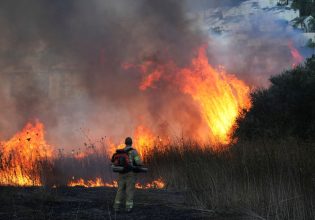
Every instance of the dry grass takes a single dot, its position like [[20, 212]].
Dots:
[[68, 167], [267, 180], [262, 179]]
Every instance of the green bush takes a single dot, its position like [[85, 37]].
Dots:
[[306, 7], [285, 109]]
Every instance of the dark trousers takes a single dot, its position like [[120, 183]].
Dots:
[[126, 188]]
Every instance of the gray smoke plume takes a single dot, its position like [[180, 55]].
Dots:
[[61, 62]]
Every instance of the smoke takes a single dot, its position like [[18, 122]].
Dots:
[[61, 62], [255, 42]]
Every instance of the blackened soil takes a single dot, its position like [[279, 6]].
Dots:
[[94, 203]]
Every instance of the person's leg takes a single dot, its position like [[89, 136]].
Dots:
[[120, 191], [130, 189]]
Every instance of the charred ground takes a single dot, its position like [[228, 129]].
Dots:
[[95, 203]]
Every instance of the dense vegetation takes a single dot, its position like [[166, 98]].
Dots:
[[269, 172], [259, 179], [306, 7], [285, 109]]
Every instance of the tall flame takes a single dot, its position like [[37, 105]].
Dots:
[[221, 96], [21, 156], [144, 139]]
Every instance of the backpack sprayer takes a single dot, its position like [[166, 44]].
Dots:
[[122, 169], [121, 163]]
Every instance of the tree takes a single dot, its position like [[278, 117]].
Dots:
[[286, 108], [306, 7], [311, 44]]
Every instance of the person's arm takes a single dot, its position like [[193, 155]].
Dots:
[[137, 158]]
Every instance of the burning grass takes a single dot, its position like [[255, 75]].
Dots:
[[23, 157], [219, 96], [273, 179], [98, 182], [27, 160]]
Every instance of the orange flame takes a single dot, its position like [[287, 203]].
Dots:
[[297, 57], [21, 155], [80, 155], [144, 139], [98, 182], [21, 159], [113, 147], [219, 95], [155, 184]]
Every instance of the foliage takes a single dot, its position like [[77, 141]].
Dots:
[[306, 7], [310, 43], [285, 109]]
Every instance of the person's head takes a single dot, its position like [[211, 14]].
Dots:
[[128, 141]]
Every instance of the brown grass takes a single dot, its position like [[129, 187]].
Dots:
[[265, 179]]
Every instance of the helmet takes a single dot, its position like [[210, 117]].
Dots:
[[128, 141]]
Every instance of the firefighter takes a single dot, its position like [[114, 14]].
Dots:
[[127, 181]]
